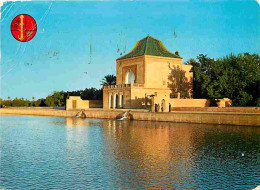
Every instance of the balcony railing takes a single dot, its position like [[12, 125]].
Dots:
[[137, 85], [123, 86]]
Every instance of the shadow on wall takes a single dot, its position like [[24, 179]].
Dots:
[[140, 103], [95, 103], [179, 83]]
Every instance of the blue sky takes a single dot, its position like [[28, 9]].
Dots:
[[67, 28]]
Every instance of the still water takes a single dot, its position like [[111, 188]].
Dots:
[[73, 153]]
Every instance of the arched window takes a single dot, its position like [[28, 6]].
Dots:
[[121, 101], [115, 101], [110, 101], [130, 77]]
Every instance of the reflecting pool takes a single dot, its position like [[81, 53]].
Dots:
[[74, 153]]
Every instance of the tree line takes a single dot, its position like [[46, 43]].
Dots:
[[234, 76], [57, 98]]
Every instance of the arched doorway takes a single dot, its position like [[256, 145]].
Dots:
[[121, 101], [130, 77], [115, 101], [74, 104], [110, 101], [163, 104]]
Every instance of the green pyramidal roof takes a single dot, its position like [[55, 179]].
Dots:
[[149, 46]]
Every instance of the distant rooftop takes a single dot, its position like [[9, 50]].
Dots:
[[149, 46]]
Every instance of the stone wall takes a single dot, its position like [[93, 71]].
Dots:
[[219, 109], [251, 119], [75, 102], [82, 104], [95, 103], [189, 102]]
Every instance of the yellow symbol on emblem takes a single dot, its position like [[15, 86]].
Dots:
[[21, 29]]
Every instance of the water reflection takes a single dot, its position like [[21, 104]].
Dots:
[[75, 153], [170, 155]]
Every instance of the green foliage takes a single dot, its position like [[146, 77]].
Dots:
[[178, 82], [92, 94], [235, 76], [108, 80], [258, 102], [17, 102], [58, 98], [40, 102], [49, 101]]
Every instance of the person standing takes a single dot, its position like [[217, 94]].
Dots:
[[170, 107], [155, 107], [162, 107]]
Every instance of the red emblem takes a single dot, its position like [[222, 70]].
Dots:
[[23, 27]]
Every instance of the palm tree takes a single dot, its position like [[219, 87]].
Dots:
[[33, 98], [108, 80]]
